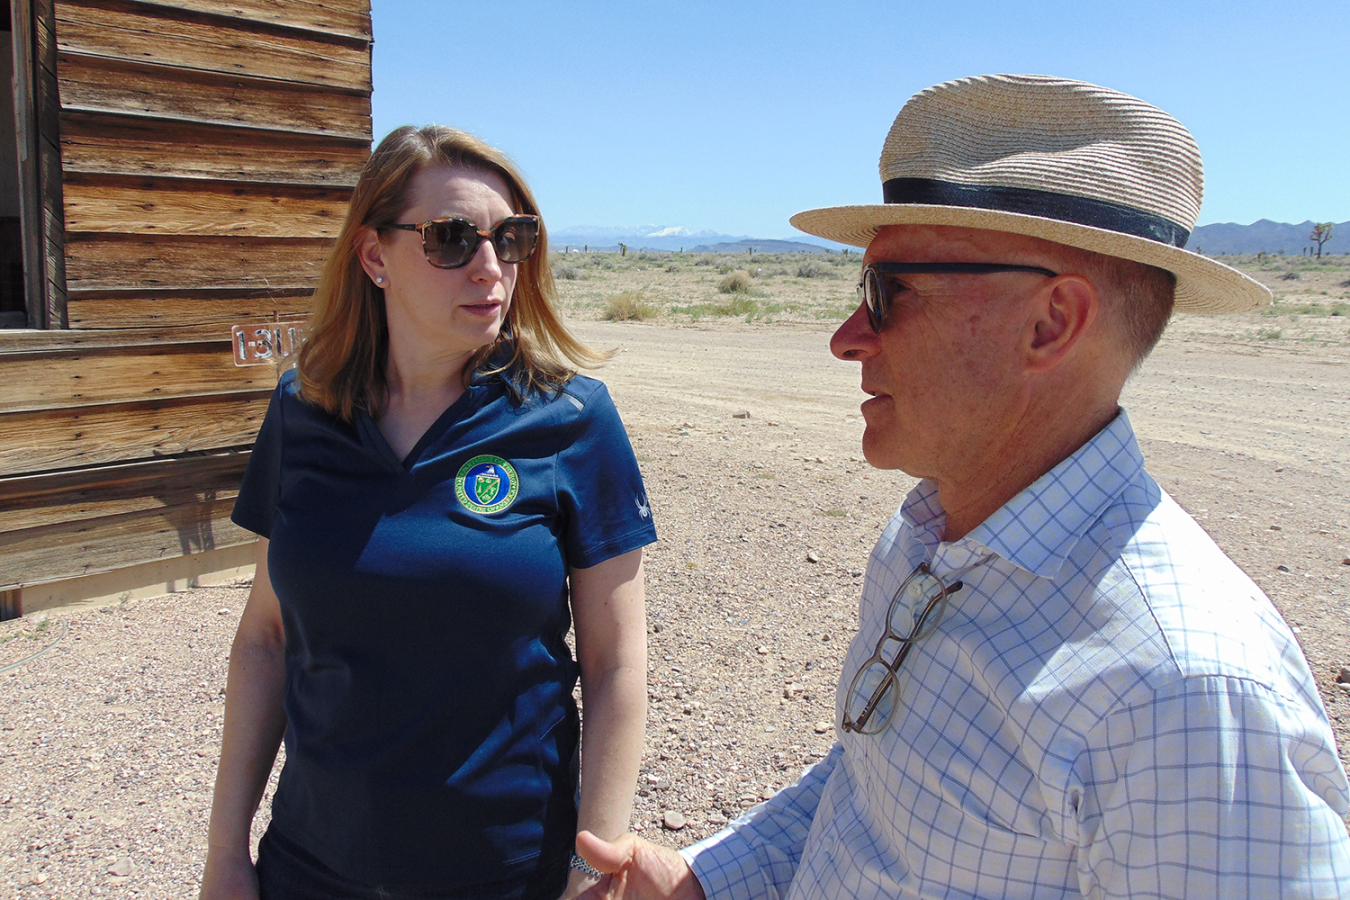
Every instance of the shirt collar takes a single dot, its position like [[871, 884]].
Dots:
[[922, 511], [1038, 529]]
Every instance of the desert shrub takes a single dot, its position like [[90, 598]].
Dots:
[[738, 282], [727, 264], [1291, 276], [703, 260], [566, 273], [814, 269], [630, 306], [738, 306], [1282, 308]]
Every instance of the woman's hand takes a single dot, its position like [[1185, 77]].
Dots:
[[578, 883], [235, 879]]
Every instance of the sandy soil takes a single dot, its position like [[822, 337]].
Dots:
[[108, 741]]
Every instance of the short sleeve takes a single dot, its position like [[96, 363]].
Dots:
[[600, 492], [256, 506]]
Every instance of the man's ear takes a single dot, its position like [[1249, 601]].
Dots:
[[370, 251], [1062, 312]]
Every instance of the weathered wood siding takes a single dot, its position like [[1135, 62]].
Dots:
[[199, 158]]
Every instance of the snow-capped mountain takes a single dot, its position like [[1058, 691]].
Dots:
[[673, 237]]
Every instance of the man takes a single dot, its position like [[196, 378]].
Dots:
[[1060, 685]]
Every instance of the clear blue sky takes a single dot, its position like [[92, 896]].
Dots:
[[733, 116]]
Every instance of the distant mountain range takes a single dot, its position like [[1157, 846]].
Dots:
[[1212, 240], [674, 237], [1264, 236]]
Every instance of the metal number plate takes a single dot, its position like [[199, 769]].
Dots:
[[268, 344]]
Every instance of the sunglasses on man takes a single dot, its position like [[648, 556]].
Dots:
[[874, 294], [451, 242]]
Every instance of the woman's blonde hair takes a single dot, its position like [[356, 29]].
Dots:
[[342, 364]]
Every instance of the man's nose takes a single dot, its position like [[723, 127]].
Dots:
[[854, 339]]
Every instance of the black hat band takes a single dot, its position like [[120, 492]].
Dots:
[[1042, 204]]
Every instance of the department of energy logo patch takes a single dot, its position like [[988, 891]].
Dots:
[[487, 484]]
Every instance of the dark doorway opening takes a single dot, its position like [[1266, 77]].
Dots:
[[15, 305]]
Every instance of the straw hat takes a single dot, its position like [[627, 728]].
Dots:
[[1061, 160]]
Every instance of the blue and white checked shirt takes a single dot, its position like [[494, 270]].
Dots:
[[1109, 708]]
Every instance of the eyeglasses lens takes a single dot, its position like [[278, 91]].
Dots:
[[873, 686], [912, 605], [873, 297], [449, 244], [514, 238]]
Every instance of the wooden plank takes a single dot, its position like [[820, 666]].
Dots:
[[33, 442], [49, 224], [54, 233], [49, 103], [40, 500], [94, 85], [134, 33], [15, 341], [57, 552], [182, 313], [349, 19], [159, 206], [196, 263], [49, 107], [44, 24], [74, 378], [125, 145]]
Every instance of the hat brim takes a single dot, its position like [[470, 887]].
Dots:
[[1203, 285]]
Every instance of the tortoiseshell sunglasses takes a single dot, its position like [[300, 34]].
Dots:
[[451, 242]]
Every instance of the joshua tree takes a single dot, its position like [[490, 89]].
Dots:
[[1321, 233]]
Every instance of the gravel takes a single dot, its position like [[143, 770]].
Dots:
[[108, 745]]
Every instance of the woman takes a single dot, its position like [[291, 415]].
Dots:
[[438, 495]]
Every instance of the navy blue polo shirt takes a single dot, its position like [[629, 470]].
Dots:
[[432, 737]]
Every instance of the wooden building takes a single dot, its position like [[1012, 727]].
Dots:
[[177, 167]]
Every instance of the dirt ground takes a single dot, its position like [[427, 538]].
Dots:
[[108, 741]]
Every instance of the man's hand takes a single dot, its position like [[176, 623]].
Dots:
[[638, 870]]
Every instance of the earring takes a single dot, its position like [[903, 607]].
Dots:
[[380, 280]]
